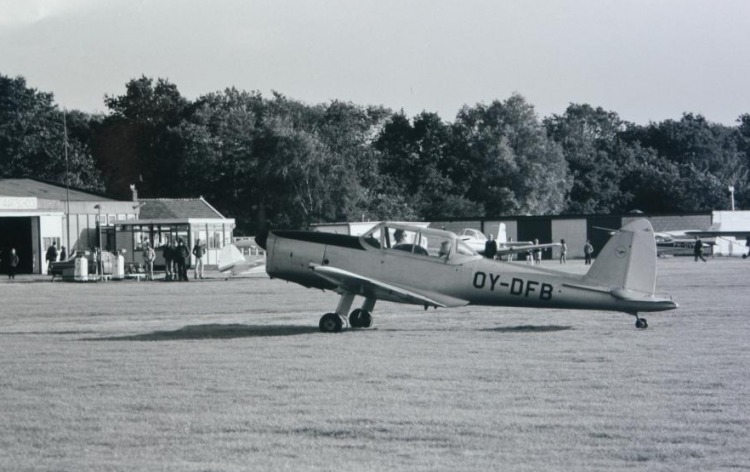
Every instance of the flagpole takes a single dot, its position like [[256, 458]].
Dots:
[[67, 185]]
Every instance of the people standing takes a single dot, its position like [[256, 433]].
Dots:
[[563, 251], [182, 254], [537, 253], [148, 259], [198, 251], [698, 250], [509, 245], [63, 254], [51, 256], [169, 261], [13, 264], [490, 248], [588, 250]]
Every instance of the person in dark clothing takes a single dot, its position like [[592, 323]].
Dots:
[[51, 256], [182, 254], [698, 250], [13, 264], [63, 254], [169, 261], [490, 248], [588, 250]]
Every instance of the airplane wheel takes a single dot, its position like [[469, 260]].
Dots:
[[641, 323], [331, 323], [365, 319], [354, 317], [360, 318]]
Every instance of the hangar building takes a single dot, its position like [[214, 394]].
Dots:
[[34, 214]]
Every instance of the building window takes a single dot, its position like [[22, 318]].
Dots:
[[215, 236]]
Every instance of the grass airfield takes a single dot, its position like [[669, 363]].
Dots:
[[234, 375]]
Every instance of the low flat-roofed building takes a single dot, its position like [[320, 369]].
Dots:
[[164, 220]]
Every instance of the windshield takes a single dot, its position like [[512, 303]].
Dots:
[[415, 241]]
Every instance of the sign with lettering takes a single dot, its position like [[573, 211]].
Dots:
[[18, 203]]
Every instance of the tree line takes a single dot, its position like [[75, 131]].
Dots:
[[281, 160]]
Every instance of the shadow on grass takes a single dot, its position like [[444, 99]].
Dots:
[[529, 329], [214, 331]]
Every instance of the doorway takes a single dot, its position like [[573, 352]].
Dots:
[[15, 232]]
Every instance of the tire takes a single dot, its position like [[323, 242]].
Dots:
[[331, 323]]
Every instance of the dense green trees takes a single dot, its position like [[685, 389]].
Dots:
[[33, 138], [256, 157]]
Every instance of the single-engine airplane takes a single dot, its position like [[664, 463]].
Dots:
[[435, 268], [678, 243]]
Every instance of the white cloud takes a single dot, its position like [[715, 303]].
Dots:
[[25, 12]]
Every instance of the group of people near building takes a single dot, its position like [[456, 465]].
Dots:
[[176, 260]]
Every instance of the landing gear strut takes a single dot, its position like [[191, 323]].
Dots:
[[358, 318], [640, 323]]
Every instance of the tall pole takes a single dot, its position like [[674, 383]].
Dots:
[[100, 264], [731, 195], [67, 184]]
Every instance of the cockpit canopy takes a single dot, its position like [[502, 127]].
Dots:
[[417, 240], [472, 233]]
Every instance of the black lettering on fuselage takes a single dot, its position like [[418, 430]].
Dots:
[[516, 286], [493, 280], [546, 292], [479, 279]]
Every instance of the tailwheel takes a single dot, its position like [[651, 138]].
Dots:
[[331, 323], [641, 323], [360, 318]]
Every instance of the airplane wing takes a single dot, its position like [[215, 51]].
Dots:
[[502, 251], [369, 287], [710, 233]]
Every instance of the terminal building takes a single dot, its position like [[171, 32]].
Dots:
[[35, 214]]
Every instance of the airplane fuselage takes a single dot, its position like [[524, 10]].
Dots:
[[477, 280]]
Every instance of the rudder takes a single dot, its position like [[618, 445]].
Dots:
[[628, 260]]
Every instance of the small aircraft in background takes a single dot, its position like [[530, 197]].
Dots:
[[476, 240], [241, 257], [730, 239], [678, 243], [436, 268]]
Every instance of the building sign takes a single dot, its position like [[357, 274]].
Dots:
[[18, 203]]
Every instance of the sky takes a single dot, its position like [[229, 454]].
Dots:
[[647, 60]]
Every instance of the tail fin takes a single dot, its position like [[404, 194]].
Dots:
[[628, 260], [502, 234], [229, 257]]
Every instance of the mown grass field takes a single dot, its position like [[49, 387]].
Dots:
[[234, 375]]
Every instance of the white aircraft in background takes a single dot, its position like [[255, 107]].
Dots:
[[438, 269], [233, 260], [678, 243], [476, 240]]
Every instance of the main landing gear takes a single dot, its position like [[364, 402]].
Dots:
[[358, 318], [640, 323]]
